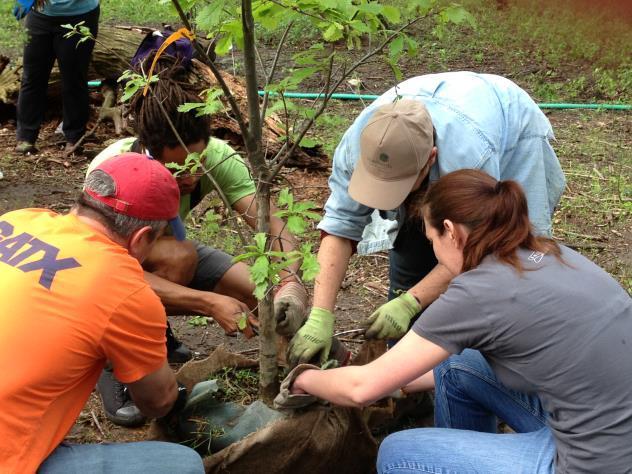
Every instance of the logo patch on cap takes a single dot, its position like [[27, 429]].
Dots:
[[383, 157]]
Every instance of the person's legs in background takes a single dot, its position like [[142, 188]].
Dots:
[[146, 456], [74, 58], [38, 60]]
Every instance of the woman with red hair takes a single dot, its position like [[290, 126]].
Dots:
[[529, 332]]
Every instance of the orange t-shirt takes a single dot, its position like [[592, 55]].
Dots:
[[70, 299]]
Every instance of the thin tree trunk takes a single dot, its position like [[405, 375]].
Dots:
[[268, 369]]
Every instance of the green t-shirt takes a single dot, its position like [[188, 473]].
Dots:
[[227, 167]]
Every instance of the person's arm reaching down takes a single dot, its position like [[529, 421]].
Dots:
[[314, 338], [362, 385], [155, 394], [179, 299]]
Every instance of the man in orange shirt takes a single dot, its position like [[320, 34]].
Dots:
[[64, 312]]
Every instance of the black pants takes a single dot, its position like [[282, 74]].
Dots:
[[46, 43], [411, 259]]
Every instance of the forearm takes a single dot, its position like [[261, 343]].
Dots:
[[432, 285], [411, 357], [421, 384], [155, 393], [343, 386], [179, 299], [333, 257]]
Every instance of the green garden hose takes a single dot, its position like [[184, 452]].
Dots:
[[347, 96]]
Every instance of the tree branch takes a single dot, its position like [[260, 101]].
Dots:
[[281, 161], [270, 74]]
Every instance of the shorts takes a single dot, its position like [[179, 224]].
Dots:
[[211, 267]]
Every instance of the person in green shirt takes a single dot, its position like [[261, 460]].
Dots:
[[190, 277]]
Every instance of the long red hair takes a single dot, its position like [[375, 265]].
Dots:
[[494, 212]]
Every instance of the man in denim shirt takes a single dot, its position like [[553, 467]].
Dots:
[[414, 133]]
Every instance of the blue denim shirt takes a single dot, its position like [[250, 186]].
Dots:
[[482, 121]]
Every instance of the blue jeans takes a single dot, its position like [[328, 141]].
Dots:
[[469, 401], [146, 456]]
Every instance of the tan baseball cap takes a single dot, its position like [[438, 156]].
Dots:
[[394, 146]]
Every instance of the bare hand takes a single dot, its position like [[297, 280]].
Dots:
[[228, 312]]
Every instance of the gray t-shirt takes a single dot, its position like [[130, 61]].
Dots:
[[562, 331]]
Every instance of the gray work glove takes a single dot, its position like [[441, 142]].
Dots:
[[286, 400], [290, 309]]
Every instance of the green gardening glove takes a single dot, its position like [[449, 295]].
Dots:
[[313, 339], [391, 320]]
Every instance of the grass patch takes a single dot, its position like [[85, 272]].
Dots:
[[237, 385], [596, 209], [563, 47], [137, 12], [12, 34]]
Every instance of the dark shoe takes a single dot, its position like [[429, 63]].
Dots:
[[25, 148], [177, 353], [118, 405]]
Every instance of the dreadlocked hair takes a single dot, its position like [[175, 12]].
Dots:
[[172, 89]]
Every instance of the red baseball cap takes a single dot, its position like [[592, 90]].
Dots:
[[145, 189]]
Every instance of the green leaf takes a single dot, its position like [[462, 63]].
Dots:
[[242, 322], [285, 198], [296, 225], [397, 72], [260, 240], [189, 106], [422, 7], [395, 48], [373, 8], [360, 26], [224, 44], [260, 290], [333, 32], [244, 256], [304, 206], [392, 14], [198, 321], [308, 142], [259, 269], [458, 15], [210, 16], [412, 46], [234, 28]]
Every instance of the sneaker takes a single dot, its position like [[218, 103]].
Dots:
[[25, 148], [177, 353], [118, 405]]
